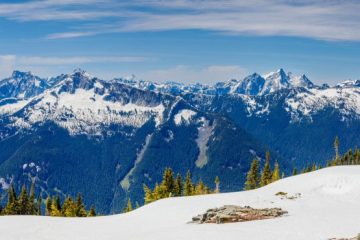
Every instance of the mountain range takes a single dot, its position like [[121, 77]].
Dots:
[[106, 138]]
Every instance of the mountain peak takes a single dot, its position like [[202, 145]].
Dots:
[[275, 81], [80, 72], [300, 81], [22, 85], [21, 74]]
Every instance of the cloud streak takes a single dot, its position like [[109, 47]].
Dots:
[[40, 60], [327, 19]]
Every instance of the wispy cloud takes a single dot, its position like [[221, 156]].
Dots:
[[36, 60], [326, 19]]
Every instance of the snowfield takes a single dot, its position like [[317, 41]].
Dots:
[[329, 206]]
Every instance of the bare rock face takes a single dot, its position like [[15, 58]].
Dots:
[[231, 213]]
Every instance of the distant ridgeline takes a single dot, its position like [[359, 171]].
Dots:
[[170, 186], [107, 138]]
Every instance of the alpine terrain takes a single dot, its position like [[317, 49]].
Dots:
[[106, 138]]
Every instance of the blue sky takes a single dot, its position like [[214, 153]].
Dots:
[[182, 40]]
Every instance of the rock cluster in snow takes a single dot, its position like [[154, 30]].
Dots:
[[231, 213]]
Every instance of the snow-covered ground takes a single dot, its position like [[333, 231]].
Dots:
[[329, 206]]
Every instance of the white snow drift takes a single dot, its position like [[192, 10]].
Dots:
[[329, 206]]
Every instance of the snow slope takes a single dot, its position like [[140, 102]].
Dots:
[[329, 206]]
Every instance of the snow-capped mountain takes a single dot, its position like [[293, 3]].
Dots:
[[115, 135], [123, 132], [22, 85]]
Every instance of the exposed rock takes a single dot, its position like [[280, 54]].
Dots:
[[231, 213], [284, 195]]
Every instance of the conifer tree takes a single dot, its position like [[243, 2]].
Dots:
[[168, 183], [201, 188], [79, 207], [32, 203], [188, 185], [12, 204], [160, 192], [92, 212], [314, 167], [48, 203], [294, 171], [23, 202], [149, 196], [266, 173], [217, 184], [68, 208], [276, 173], [55, 207], [128, 207], [57, 203], [178, 188], [252, 178]]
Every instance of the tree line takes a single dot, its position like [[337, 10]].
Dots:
[[255, 179], [28, 204], [171, 186]]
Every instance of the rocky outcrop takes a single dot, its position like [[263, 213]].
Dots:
[[231, 213]]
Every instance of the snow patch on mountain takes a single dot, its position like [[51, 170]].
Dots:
[[85, 112], [10, 106], [184, 116], [345, 100]]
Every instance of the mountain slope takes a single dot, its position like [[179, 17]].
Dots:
[[22, 85], [81, 131], [105, 139], [328, 197]]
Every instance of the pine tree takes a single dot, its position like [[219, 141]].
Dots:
[[32, 207], [23, 202], [55, 207], [68, 208], [252, 178], [149, 196], [188, 185], [12, 204], [266, 173], [79, 207], [217, 184], [178, 189], [48, 204], [294, 171], [128, 207], [92, 212], [200, 188], [276, 173], [168, 183], [57, 203]]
